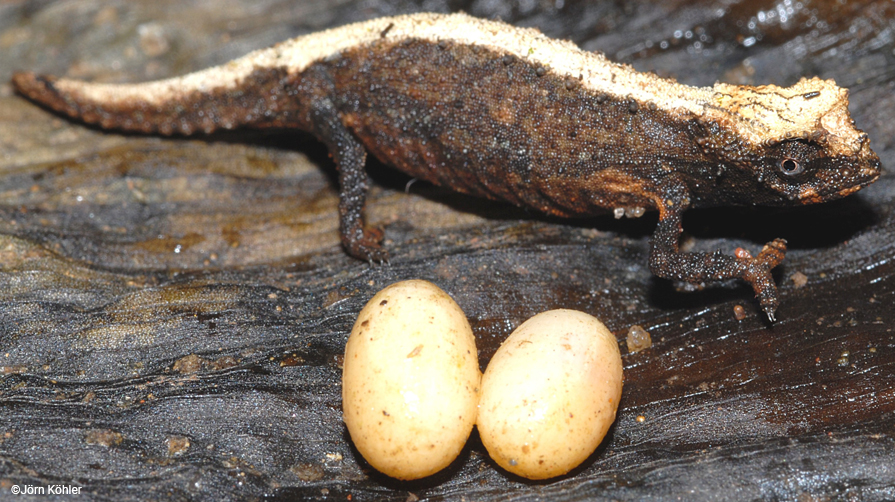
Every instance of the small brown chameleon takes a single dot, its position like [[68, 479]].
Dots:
[[507, 113]]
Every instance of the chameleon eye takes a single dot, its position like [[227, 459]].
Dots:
[[790, 166]]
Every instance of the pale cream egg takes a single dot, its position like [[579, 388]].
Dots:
[[550, 394], [410, 381]]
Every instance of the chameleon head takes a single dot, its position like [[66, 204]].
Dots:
[[799, 142]]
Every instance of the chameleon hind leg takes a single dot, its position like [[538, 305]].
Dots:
[[350, 155]]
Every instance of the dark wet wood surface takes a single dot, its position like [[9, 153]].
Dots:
[[173, 310]]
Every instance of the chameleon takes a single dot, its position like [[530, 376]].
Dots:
[[507, 113]]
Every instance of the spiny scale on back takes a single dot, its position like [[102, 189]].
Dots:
[[507, 113]]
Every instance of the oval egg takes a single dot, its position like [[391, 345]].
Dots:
[[410, 380], [550, 394]]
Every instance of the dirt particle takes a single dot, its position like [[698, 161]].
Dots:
[[223, 363], [308, 472], [291, 360], [177, 445], [799, 280], [638, 339], [103, 437], [153, 39], [188, 364]]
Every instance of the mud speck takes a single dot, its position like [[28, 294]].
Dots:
[[638, 339], [177, 445], [103, 437]]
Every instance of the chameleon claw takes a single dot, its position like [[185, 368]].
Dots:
[[768, 301], [376, 256]]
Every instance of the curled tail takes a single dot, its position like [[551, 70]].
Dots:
[[202, 101]]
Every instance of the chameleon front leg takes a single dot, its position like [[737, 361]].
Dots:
[[666, 259], [350, 156]]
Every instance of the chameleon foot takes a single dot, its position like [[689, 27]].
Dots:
[[757, 272], [367, 247]]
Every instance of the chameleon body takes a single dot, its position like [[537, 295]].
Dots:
[[507, 113]]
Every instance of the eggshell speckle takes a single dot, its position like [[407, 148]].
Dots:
[[550, 394], [410, 380]]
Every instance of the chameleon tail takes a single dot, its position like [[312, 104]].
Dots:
[[181, 105]]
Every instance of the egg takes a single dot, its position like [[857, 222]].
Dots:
[[410, 380], [550, 394]]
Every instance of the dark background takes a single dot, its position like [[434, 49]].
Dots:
[[173, 310]]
